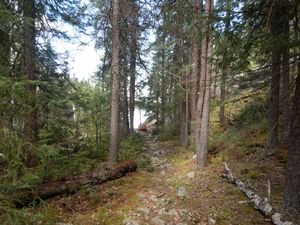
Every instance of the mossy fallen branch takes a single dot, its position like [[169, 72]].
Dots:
[[53, 188], [262, 205]]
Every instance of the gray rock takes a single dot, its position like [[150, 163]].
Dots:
[[141, 195], [172, 212], [181, 192], [158, 221], [153, 198], [191, 174], [128, 221], [143, 210], [211, 221]]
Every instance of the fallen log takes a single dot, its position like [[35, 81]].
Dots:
[[261, 204], [50, 189]]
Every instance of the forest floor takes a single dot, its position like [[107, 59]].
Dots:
[[173, 193]]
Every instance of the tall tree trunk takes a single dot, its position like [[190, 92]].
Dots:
[[203, 104], [292, 181], [133, 52], [183, 79], [222, 97], [115, 73], [285, 66], [225, 63], [195, 45], [4, 43], [163, 84], [125, 99], [29, 68], [275, 81]]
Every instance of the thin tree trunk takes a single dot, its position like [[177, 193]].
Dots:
[[225, 63], [163, 85], [222, 97], [133, 50], [115, 73], [125, 106], [203, 104], [292, 181]]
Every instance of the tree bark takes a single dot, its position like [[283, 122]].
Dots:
[[133, 52], [115, 73], [29, 68], [225, 63], [275, 82], [285, 66], [203, 104], [292, 181], [183, 78], [4, 43], [195, 58]]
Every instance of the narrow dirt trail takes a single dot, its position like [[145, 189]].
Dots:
[[174, 193]]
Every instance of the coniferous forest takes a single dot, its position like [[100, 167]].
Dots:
[[218, 82]]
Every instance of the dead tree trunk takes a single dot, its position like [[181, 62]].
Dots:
[[262, 205], [115, 73], [53, 188]]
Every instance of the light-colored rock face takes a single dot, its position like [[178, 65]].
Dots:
[[181, 192]]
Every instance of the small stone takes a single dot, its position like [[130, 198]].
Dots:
[[194, 156], [172, 212], [242, 202], [141, 195], [163, 173], [153, 198], [130, 222], [162, 211], [181, 191], [191, 174], [211, 221], [144, 210], [158, 221]]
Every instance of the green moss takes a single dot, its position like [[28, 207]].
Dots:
[[254, 175]]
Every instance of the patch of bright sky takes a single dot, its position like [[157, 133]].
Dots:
[[84, 60]]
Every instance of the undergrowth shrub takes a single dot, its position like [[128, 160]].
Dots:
[[130, 147], [170, 131], [253, 112]]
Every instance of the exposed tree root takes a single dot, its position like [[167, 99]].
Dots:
[[262, 205]]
